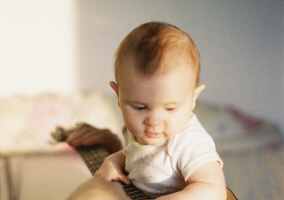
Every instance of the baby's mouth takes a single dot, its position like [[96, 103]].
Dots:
[[152, 134]]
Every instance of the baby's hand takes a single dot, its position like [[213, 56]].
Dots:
[[111, 170]]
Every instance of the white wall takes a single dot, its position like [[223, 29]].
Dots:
[[64, 46], [37, 46]]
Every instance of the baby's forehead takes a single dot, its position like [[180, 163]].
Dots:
[[157, 87]]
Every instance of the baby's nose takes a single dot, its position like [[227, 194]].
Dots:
[[152, 120]]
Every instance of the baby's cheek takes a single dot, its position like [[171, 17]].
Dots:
[[177, 125], [133, 126]]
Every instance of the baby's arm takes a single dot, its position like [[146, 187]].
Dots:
[[207, 182], [112, 168]]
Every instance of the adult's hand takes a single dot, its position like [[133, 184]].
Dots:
[[87, 135]]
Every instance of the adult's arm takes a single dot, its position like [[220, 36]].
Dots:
[[97, 188]]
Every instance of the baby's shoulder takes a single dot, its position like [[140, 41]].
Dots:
[[194, 134], [193, 130]]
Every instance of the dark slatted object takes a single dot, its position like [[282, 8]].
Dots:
[[93, 156]]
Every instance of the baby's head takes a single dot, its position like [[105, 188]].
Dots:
[[154, 47], [156, 71]]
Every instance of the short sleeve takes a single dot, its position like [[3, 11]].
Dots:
[[192, 150]]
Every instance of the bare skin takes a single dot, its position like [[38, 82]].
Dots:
[[86, 135], [97, 188]]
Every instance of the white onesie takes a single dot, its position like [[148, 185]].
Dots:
[[160, 170]]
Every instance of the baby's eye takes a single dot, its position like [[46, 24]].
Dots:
[[171, 108], [140, 107]]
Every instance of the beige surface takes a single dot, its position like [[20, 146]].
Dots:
[[44, 177]]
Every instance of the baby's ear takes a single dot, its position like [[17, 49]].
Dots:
[[114, 86], [196, 93]]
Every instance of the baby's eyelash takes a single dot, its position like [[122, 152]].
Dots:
[[140, 107], [171, 109]]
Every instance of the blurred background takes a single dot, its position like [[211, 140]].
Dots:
[[67, 47]]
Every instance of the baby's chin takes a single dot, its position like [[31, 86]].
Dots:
[[151, 141]]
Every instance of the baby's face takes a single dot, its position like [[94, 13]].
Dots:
[[157, 107]]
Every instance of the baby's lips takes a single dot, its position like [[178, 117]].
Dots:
[[152, 134]]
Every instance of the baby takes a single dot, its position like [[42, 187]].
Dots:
[[168, 154]]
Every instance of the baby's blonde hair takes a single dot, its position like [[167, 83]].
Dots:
[[150, 44]]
